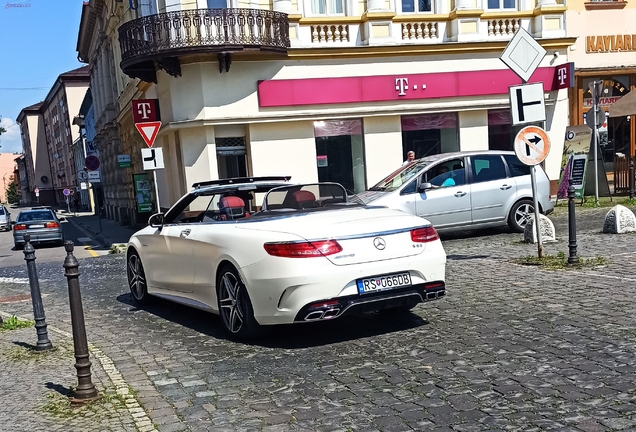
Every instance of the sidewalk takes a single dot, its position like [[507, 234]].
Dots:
[[105, 231]]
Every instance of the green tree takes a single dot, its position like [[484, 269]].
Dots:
[[12, 192]]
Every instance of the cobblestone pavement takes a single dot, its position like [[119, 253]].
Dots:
[[511, 347]]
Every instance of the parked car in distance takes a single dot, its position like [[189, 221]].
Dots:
[[42, 224], [5, 219], [308, 254], [464, 190]]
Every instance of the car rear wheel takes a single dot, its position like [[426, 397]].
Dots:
[[235, 307], [137, 279], [520, 214]]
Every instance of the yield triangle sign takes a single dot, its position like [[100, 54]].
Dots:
[[148, 131]]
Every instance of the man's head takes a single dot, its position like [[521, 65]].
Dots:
[[410, 155], [443, 169]]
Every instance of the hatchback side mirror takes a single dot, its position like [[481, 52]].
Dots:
[[12, 222], [425, 186], [156, 220]]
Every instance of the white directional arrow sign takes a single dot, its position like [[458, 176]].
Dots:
[[152, 158]]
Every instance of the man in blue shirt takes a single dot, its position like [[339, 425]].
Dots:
[[443, 174]]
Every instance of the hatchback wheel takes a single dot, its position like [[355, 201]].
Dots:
[[520, 214], [235, 307], [137, 279]]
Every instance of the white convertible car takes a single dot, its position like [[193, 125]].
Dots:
[[307, 254]]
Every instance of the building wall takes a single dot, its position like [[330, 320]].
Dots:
[[606, 24], [7, 166]]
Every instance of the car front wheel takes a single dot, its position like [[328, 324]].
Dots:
[[235, 307], [520, 214], [137, 279]]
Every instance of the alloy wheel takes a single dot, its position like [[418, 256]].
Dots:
[[136, 277], [231, 303], [523, 214]]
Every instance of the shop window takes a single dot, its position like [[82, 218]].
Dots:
[[502, 4], [327, 7], [230, 155], [429, 134], [340, 153], [416, 6], [614, 133]]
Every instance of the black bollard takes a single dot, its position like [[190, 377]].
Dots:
[[43, 343], [631, 177], [572, 259], [86, 390]]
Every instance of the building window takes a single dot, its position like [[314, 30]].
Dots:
[[416, 6], [429, 134], [502, 4], [230, 155], [501, 132], [327, 7], [340, 153], [217, 4]]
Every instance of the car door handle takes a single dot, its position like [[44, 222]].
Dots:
[[505, 187], [460, 194], [185, 233]]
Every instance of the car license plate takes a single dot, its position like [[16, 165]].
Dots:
[[380, 283], [36, 226]]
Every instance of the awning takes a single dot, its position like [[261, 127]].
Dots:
[[625, 106]]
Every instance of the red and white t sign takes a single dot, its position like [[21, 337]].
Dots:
[[145, 110]]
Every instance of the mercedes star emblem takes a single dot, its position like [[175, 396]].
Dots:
[[379, 243]]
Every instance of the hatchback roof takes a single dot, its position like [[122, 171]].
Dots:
[[440, 156]]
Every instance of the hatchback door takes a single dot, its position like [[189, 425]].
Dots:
[[446, 205], [491, 190]]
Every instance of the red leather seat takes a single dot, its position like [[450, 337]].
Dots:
[[232, 207], [305, 199]]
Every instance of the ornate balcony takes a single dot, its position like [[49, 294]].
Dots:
[[157, 41]]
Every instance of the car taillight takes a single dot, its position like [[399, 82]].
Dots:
[[52, 225], [303, 249], [19, 227], [424, 235]]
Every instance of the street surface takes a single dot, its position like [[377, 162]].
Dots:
[[511, 347], [85, 246]]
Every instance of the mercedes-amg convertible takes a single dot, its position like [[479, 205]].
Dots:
[[306, 253]]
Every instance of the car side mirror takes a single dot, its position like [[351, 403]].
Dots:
[[425, 186], [156, 220], [12, 222]]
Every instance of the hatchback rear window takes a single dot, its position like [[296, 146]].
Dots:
[[35, 216], [517, 168]]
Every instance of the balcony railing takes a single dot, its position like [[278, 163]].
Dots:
[[160, 39]]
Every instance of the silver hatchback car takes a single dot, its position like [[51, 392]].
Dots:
[[5, 219], [464, 190]]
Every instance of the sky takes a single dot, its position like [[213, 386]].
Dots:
[[38, 40]]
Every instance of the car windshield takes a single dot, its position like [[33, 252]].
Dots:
[[400, 177], [35, 216], [309, 196]]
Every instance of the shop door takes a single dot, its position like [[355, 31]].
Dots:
[[334, 160]]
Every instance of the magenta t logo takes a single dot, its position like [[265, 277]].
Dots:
[[401, 86]]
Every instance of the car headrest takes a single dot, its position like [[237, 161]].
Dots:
[[304, 195], [232, 205]]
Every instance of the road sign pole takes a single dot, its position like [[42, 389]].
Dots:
[[596, 108], [537, 221], [154, 177]]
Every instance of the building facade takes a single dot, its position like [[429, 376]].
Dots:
[[7, 173], [36, 157], [605, 51], [325, 91], [60, 106]]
